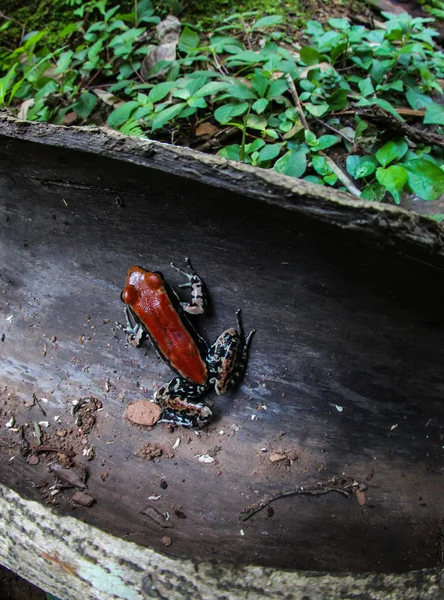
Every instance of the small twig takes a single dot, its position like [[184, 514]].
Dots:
[[138, 74], [247, 514], [247, 34], [297, 102], [69, 453], [35, 401], [341, 175], [335, 130]]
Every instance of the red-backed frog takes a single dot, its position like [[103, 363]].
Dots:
[[157, 312]]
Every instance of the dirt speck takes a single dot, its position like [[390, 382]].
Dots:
[[167, 541], [83, 499]]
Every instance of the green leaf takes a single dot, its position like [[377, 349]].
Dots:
[[270, 151], [366, 87], [241, 91], [317, 110], [309, 55], [211, 88], [425, 179], [352, 163], [49, 87], [438, 217], [387, 153], [331, 179], [338, 100], [293, 163], [259, 83], [257, 122], [434, 114], [277, 88], [364, 169], [85, 104], [326, 141], [416, 99], [189, 40], [260, 105], [310, 138], [160, 91], [231, 152], [167, 114], [402, 147], [339, 23], [320, 165], [64, 61], [393, 179], [122, 114], [267, 22], [225, 113]]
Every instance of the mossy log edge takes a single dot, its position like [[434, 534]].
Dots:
[[414, 235], [74, 560]]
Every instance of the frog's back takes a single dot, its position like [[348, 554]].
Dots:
[[147, 296]]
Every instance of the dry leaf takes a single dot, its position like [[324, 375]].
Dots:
[[206, 129]]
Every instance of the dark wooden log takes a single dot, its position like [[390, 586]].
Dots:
[[344, 378]]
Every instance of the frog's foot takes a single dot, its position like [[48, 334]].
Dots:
[[135, 334], [198, 297], [181, 411]]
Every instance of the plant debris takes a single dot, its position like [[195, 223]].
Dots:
[[83, 499], [158, 517]]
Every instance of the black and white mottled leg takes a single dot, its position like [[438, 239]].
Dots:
[[135, 334], [175, 401], [227, 357], [198, 297]]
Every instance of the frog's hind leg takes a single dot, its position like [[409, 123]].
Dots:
[[177, 407], [198, 302], [241, 362]]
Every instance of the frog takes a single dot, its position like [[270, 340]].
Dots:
[[154, 310]]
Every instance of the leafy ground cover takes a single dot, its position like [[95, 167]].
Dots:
[[337, 103]]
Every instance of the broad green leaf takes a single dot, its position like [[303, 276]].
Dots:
[[64, 61], [366, 87], [277, 88], [259, 83], [320, 165], [293, 163], [425, 179], [387, 153], [85, 104], [254, 145], [439, 217], [331, 178], [160, 91], [309, 55], [416, 99], [317, 110], [211, 88], [343, 24], [267, 22], [260, 105], [326, 141], [338, 100], [189, 40], [434, 114], [196, 102], [49, 87], [352, 163], [364, 169], [257, 122], [225, 113], [241, 91], [122, 114], [393, 179], [231, 152], [310, 138], [167, 114], [402, 147], [270, 151]]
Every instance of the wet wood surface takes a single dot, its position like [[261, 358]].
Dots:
[[344, 378]]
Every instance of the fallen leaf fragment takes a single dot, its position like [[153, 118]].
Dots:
[[361, 497], [275, 457], [83, 499], [143, 412], [206, 128]]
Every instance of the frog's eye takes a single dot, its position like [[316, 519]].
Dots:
[[159, 274]]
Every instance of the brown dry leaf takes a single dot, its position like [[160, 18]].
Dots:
[[70, 118], [206, 129], [108, 98]]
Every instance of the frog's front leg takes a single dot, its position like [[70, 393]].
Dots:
[[174, 400], [198, 302], [135, 333], [227, 357]]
